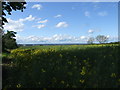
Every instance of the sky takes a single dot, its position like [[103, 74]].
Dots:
[[64, 22]]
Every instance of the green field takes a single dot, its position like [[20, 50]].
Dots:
[[63, 66]]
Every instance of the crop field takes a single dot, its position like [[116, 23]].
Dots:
[[62, 66]]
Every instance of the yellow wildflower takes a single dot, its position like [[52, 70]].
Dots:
[[18, 86], [43, 70], [113, 75], [62, 82], [82, 81]]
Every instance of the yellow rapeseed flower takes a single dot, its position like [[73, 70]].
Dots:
[[60, 55], [83, 71], [43, 70], [82, 81], [62, 82], [113, 75], [18, 86]]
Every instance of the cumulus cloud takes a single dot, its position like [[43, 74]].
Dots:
[[87, 13], [57, 16], [25, 4], [112, 38], [104, 13], [29, 18], [44, 21], [57, 38], [38, 6], [38, 19], [13, 25], [17, 25], [90, 31], [62, 24], [108, 36], [83, 37], [39, 26], [96, 7]]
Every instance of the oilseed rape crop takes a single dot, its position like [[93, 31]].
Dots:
[[68, 66]]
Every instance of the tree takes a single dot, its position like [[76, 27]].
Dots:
[[90, 40], [8, 7], [9, 41], [101, 38]]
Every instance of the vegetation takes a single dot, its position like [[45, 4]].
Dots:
[[9, 41], [90, 40], [101, 38], [8, 7], [68, 66], [73, 66]]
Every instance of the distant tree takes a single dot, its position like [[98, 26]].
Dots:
[[90, 40], [101, 38], [9, 41]]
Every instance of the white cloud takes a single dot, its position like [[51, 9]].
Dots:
[[29, 18], [108, 36], [83, 37], [38, 6], [57, 16], [62, 24], [13, 25], [44, 21], [39, 26], [90, 31], [17, 25], [38, 19], [87, 13], [96, 7], [104, 13], [25, 4], [57, 38], [112, 38]]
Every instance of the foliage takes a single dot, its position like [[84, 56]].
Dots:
[[101, 38], [72, 66], [8, 7], [90, 40], [8, 40]]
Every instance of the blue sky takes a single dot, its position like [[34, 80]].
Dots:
[[64, 22]]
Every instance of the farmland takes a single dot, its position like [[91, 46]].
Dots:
[[62, 66]]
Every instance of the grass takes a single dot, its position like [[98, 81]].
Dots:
[[63, 66]]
